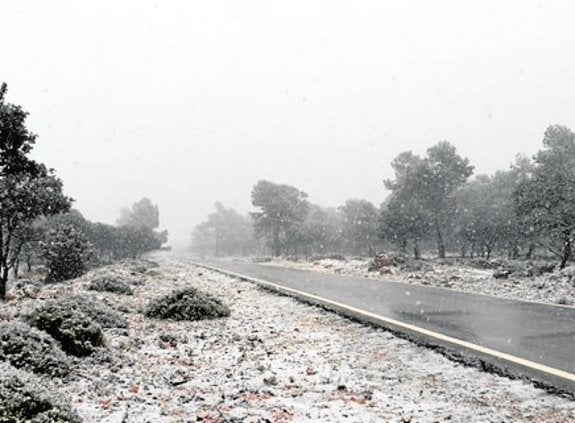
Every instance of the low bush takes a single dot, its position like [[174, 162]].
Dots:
[[318, 257], [336, 257], [189, 304], [538, 269], [77, 332], [262, 259], [25, 398], [29, 349], [139, 266], [110, 284], [386, 260], [97, 310], [482, 263]]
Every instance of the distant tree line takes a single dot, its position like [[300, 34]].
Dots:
[[529, 207], [434, 205], [288, 224], [37, 224], [69, 236]]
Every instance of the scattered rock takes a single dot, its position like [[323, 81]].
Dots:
[[501, 274], [564, 301], [167, 339], [310, 371], [270, 381]]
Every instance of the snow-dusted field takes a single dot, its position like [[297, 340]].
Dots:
[[553, 288], [274, 360]]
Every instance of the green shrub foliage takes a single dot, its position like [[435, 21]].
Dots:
[[25, 398], [96, 310], [76, 331], [188, 304], [28, 189], [32, 350], [66, 252], [110, 284]]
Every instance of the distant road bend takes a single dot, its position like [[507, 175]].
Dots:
[[518, 338]]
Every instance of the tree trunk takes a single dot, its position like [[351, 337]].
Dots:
[[416, 253], [276, 242], [371, 250], [440, 242], [3, 270], [16, 268], [530, 252], [513, 251], [566, 252], [3, 281], [440, 245], [403, 247], [216, 247]]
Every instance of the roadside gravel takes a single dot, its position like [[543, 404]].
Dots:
[[272, 360]]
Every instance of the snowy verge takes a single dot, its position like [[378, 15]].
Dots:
[[273, 359]]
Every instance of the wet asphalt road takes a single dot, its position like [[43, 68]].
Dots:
[[541, 333]]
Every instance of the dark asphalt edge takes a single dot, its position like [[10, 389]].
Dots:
[[454, 352]]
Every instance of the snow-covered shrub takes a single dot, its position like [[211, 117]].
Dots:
[[188, 304], [29, 349], [482, 263], [66, 251], [77, 332], [538, 269], [415, 266], [386, 260], [318, 257], [110, 284], [26, 288], [25, 398], [97, 310], [262, 259], [336, 257], [136, 266]]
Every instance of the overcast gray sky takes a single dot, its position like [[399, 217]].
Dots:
[[192, 102]]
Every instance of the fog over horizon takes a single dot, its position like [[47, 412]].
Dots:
[[189, 103]]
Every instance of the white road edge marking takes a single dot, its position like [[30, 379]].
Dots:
[[440, 288], [413, 328]]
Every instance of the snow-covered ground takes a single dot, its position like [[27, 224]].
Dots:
[[273, 360], [554, 288]]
